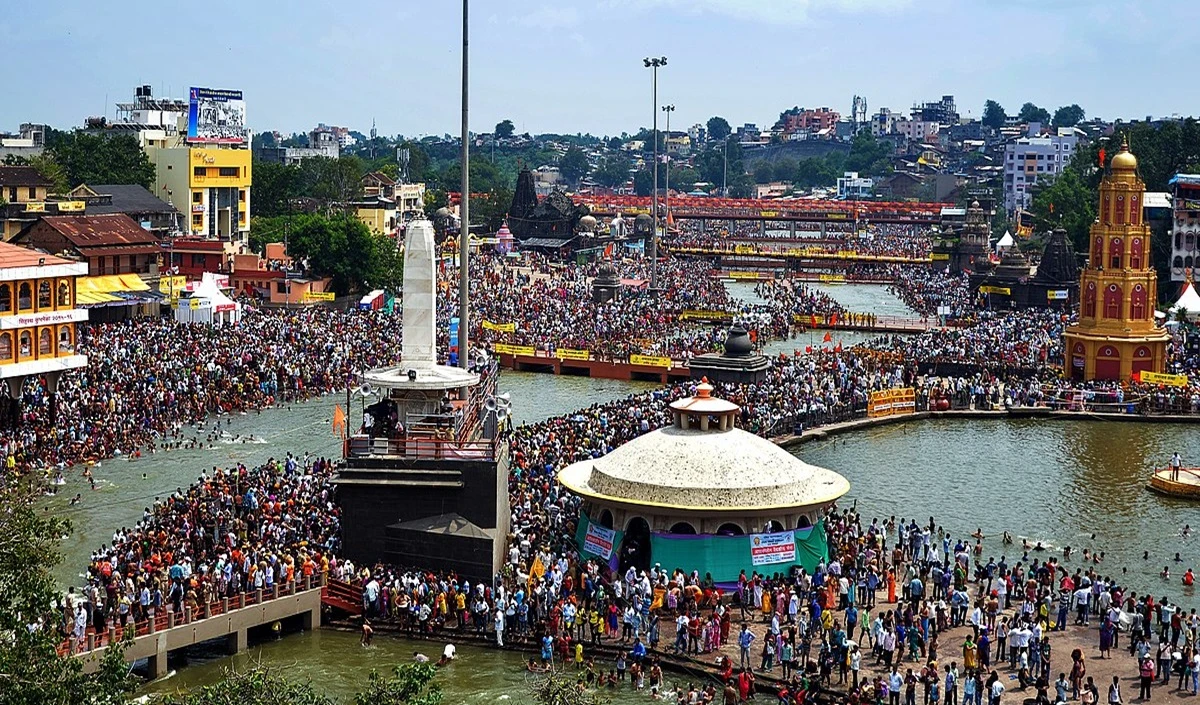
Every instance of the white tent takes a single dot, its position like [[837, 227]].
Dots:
[[1188, 301], [1005, 242], [206, 303]]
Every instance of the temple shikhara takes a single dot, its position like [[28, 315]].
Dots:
[[1116, 336]]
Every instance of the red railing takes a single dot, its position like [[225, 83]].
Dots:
[[343, 596], [166, 619], [420, 448]]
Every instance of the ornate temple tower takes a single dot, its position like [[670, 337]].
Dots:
[[1116, 335]]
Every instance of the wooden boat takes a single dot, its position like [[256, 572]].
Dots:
[[1187, 485]]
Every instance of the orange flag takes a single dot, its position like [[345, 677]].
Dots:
[[813, 320], [828, 337], [339, 420], [833, 320]]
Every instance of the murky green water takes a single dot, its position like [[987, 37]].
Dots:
[[1065, 483]]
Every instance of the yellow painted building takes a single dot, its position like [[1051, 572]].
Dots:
[[210, 184], [1116, 335], [38, 315]]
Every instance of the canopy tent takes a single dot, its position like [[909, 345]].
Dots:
[[1005, 242], [1188, 301], [206, 303], [114, 290]]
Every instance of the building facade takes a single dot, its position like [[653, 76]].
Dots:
[[37, 316], [210, 184], [1185, 225], [1028, 159], [1116, 336]]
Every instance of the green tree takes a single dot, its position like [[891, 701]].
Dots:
[[331, 181], [1033, 113], [274, 187], [100, 159], [867, 155], [643, 182], [614, 143], [573, 165], [409, 684], [993, 114], [684, 178], [764, 172], [504, 129], [741, 185], [612, 171], [1067, 202], [718, 128], [257, 686], [339, 246], [47, 166], [264, 140], [1068, 116], [31, 670]]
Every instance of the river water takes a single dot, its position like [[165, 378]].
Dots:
[[1058, 482]]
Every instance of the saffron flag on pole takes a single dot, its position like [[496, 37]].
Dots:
[[339, 420], [812, 318], [828, 337], [833, 320]]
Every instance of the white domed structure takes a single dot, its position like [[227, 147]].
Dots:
[[703, 495]]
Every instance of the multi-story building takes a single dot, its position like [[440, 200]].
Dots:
[[883, 122], [852, 186], [110, 244], [1185, 225], [698, 134], [1028, 159], [1116, 336], [810, 120], [942, 112], [917, 130], [38, 314], [24, 197]]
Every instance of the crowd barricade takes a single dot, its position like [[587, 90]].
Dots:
[[892, 402]]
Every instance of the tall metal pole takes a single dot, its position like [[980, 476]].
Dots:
[[668, 109], [464, 210], [654, 170], [725, 169]]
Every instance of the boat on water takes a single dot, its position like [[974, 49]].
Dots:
[[1184, 482]]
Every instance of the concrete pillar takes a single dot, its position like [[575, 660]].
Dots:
[[156, 663], [311, 619], [308, 582], [225, 606], [207, 610], [275, 591], [258, 596], [236, 642], [793, 228], [150, 627], [187, 615], [823, 223], [91, 642], [172, 616]]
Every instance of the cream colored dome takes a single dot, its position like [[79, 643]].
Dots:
[[698, 470]]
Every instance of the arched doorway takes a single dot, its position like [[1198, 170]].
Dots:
[[635, 547], [682, 527], [606, 519], [772, 526], [1108, 363], [730, 529], [804, 522]]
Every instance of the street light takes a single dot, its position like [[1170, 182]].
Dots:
[[464, 211], [668, 109], [725, 168], [653, 63]]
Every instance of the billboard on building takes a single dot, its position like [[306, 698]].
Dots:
[[217, 116]]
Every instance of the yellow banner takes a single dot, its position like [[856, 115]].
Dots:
[[1160, 378], [505, 349], [705, 314], [834, 278], [193, 304], [319, 296], [940, 256], [35, 207], [995, 290], [891, 402], [743, 275], [569, 354], [71, 206], [501, 327], [650, 360]]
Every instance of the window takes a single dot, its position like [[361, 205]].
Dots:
[[197, 219], [1115, 253], [197, 196], [200, 171], [6, 300], [12, 194], [32, 193], [25, 296], [64, 294], [45, 295], [66, 344], [1089, 301], [6, 348], [1119, 218], [45, 342], [229, 171], [242, 195], [280, 287], [1112, 301], [26, 344], [1137, 303], [1135, 253]]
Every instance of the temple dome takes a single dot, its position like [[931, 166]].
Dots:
[[1124, 161], [714, 470]]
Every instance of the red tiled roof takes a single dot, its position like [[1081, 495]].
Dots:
[[107, 229], [14, 256]]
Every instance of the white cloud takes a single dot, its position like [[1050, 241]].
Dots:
[[769, 11], [548, 18]]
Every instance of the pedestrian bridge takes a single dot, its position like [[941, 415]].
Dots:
[[230, 619]]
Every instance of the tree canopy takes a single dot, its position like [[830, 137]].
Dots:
[[573, 165], [31, 671], [409, 684], [612, 171], [1068, 116], [993, 114], [504, 129], [1033, 113], [718, 128], [100, 159], [339, 246]]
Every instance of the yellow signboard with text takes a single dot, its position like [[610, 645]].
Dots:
[[650, 360], [891, 402], [1160, 378], [1003, 290], [319, 296], [501, 327], [569, 354]]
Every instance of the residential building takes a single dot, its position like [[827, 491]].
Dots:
[[112, 243], [134, 200], [679, 143], [272, 280], [38, 314], [1028, 159], [942, 112], [193, 257], [851, 186], [810, 120], [698, 134], [23, 199], [883, 122], [1185, 226], [28, 142], [917, 130]]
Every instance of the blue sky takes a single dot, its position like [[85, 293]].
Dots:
[[575, 65]]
